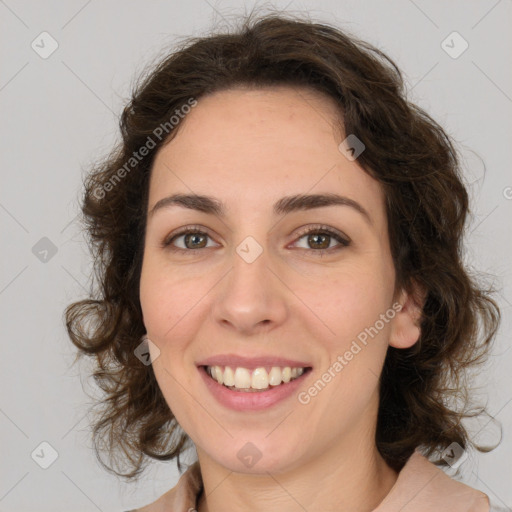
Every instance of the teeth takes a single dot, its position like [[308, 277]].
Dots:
[[274, 377], [260, 378], [229, 377], [242, 378], [219, 377]]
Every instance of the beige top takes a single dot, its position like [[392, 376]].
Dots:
[[421, 486]]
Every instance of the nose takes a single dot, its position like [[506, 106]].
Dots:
[[251, 298]]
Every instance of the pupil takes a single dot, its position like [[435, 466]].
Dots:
[[193, 237], [315, 237]]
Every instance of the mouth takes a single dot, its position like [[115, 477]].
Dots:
[[256, 380]]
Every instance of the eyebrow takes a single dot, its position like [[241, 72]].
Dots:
[[283, 206]]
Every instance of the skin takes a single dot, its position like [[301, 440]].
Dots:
[[248, 148]]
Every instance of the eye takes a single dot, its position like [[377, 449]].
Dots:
[[320, 237], [193, 239]]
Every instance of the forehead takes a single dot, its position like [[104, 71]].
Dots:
[[249, 147]]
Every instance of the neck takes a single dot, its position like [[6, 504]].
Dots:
[[350, 476]]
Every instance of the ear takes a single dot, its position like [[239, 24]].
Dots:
[[405, 326]]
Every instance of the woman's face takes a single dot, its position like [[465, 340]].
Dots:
[[251, 283]]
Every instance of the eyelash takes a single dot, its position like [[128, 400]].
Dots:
[[323, 230]]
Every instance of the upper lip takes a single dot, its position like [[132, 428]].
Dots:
[[251, 363]]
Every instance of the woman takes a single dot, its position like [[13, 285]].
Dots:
[[279, 249]]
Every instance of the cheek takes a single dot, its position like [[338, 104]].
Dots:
[[165, 318], [351, 306], [163, 296], [173, 309], [156, 305], [350, 300]]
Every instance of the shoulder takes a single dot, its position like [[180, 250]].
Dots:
[[157, 506], [182, 497], [166, 503], [424, 486], [496, 508]]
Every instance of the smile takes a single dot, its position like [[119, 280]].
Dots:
[[248, 398], [244, 379]]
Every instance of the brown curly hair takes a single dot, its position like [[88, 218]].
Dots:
[[426, 201]]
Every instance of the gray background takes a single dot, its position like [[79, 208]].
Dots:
[[59, 114]]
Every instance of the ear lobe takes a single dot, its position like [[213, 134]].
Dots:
[[405, 327]]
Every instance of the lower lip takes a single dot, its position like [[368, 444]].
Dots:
[[251, 401]]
